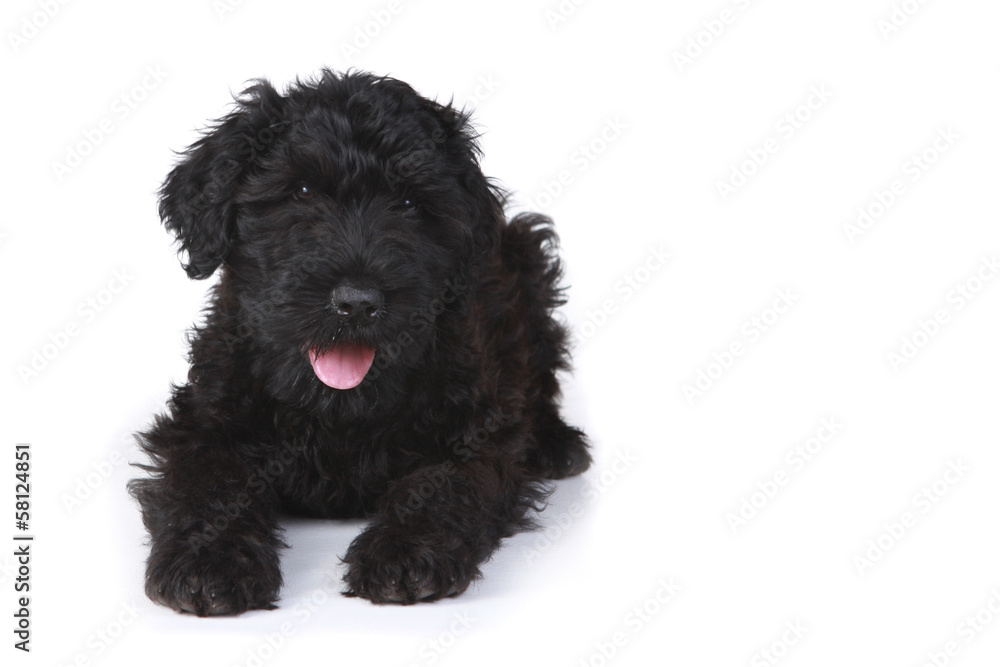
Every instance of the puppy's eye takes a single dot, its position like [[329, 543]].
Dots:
[[303, 193]]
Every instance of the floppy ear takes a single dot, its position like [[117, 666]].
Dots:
[[196, 200]]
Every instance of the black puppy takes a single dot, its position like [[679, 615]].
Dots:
[[380, 344]]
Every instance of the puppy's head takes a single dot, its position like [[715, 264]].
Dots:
[[350, 216]]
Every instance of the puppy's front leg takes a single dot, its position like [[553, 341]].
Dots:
[[434, 528], [212, 520]]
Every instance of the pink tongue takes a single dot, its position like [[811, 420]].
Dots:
[[344, 366]]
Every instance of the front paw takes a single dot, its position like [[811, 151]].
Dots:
[[388, 564], [561, 451], [214, 579], [572, 461]]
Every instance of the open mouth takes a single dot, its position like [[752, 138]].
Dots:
[[343, 366]]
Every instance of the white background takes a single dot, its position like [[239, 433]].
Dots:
[[662, 134]]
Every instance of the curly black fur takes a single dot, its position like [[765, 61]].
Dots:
[[445, 444]]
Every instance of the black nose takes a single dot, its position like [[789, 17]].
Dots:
[[356, 303]]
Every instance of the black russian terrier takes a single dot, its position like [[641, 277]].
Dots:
[[380, 344]]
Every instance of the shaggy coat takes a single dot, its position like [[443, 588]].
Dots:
[[380, 344]]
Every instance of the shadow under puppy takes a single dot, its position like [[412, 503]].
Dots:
[[380, 344]]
